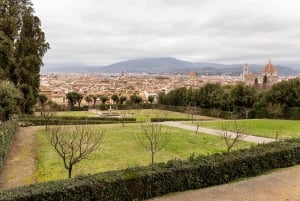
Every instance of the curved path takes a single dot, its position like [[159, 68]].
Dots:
[[249, 138], [20, 166]]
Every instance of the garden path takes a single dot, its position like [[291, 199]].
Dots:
[[20, 165], [249, 138]]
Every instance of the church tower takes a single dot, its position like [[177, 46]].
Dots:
[[245, 71]]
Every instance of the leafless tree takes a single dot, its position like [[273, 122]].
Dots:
[[153, 138], [74, 144], [48, 115], [232, 137], [275, 109], [191, 110]]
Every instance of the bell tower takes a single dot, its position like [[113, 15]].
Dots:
[[245, 71]]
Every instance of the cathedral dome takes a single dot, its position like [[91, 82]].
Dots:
[[269, 69]]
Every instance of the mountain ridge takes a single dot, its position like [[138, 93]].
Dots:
[[167, 65]]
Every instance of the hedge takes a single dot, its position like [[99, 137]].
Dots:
[[70, 120], [7, 133], [176, 175]]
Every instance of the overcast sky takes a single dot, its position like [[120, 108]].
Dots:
[[101, 32]]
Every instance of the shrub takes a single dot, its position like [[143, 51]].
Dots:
[[175, 175], [7, 133]]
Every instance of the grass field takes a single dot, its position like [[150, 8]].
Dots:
[[145, 114], [121, 149], [262, 127]]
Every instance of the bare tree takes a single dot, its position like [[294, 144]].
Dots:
[[191, 110], [74, 145], [153, 138], [48, 115], [232, 137], [275, 109]]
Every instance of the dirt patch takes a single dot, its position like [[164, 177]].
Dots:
[[281, 185], [20, 166]]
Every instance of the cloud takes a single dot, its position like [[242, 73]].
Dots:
[[94, 32]]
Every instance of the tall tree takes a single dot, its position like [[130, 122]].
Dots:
[[22, 47], [10, 97]]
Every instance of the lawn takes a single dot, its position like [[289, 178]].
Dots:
[[262, 127], [145, 114], [121, 149]]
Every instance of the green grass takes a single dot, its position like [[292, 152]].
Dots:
[[262, 127], [121, 149], [145, 114]]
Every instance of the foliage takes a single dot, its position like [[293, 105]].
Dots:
[[176, 175], [7, 133], [73, 98], [240, 98], [10, 99], [22, 47], [135, 99], [123, 99], [115, 98], [42, 99], [151, 99], [103, 99]]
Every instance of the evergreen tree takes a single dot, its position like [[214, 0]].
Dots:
[[22, 47]]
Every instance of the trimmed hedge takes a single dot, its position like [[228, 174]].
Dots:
[[7, 133], [70, 120], [176, 175]]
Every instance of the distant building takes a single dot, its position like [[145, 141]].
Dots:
[[268, 70]]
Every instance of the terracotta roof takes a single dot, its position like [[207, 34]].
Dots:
[[269, 68]]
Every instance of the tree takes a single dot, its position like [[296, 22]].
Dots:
[[22, 47], [79, 98], [42, 99], [103, 99], [151, 99], [115, 98], [265, 81], [74, 145], [10, 99], [275, 109], [243, 98], [231, 138], [191, 109], [135, 99], [73, 98], [123, 99], [94, 97], [88, 99], [153, 138]]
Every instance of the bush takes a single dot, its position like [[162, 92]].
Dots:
[[176, 175], [7, 133], [72, 120]]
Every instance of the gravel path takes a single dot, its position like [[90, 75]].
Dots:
[[281, 185], [20, 165], [249, 138]]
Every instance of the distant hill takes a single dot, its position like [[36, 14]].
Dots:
[[166, 65]]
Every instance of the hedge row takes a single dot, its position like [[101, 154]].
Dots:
[[39, 121], [7, 133], [176, 175]]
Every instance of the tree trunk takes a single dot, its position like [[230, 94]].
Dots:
[[152, 158], [70, 171]]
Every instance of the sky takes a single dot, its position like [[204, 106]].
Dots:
[[102, 32]]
